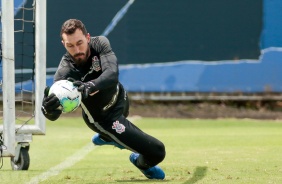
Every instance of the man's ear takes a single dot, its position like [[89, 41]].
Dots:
[[88, 37], [63, 43]]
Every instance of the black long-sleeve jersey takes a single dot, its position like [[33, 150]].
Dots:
[[102, 69]]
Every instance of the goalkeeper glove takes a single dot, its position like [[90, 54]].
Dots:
[[86, 88], [50, 106]]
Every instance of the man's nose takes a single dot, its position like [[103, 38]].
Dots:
[[77, 49]]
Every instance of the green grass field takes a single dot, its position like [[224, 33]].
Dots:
[[198, 151]]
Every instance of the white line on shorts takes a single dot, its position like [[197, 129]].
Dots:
[[70, 161]]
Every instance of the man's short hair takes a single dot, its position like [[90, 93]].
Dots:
[[71, 25]]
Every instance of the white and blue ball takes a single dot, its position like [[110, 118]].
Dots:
[[67, 93]]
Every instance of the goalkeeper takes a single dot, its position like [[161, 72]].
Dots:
[[92, 66]]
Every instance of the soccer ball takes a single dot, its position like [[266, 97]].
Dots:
[[68, 95]]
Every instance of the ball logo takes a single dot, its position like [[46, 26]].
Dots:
[[118, 127], [69, 104]]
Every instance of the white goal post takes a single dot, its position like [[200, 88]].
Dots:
[[9, 127]]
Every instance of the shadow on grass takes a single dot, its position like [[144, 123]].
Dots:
[[142, 181], [200, 173]]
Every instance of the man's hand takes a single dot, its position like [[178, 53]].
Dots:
[[86, 88], [50, 106]]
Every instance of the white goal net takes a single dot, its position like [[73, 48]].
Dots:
[[22, 76]]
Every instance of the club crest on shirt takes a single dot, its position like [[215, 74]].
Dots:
[[96, 64], [118, 127]]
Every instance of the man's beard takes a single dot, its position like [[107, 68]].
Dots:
[[81, 61]]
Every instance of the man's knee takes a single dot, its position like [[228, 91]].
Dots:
[[160, 152]]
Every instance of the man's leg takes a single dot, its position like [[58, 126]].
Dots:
[[148, 151], [101, 140], [152, 173]]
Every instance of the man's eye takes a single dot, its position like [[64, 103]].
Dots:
[[70, 46]]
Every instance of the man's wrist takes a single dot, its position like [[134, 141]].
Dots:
[[44, 110]]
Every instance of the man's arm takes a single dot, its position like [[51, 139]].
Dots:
[[109, 76], [109, 64], [50, 105]]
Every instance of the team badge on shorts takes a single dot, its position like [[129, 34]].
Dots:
[[118, 127]]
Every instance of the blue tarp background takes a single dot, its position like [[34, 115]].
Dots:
[[225, 76], [248, 76], [272, 24]]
